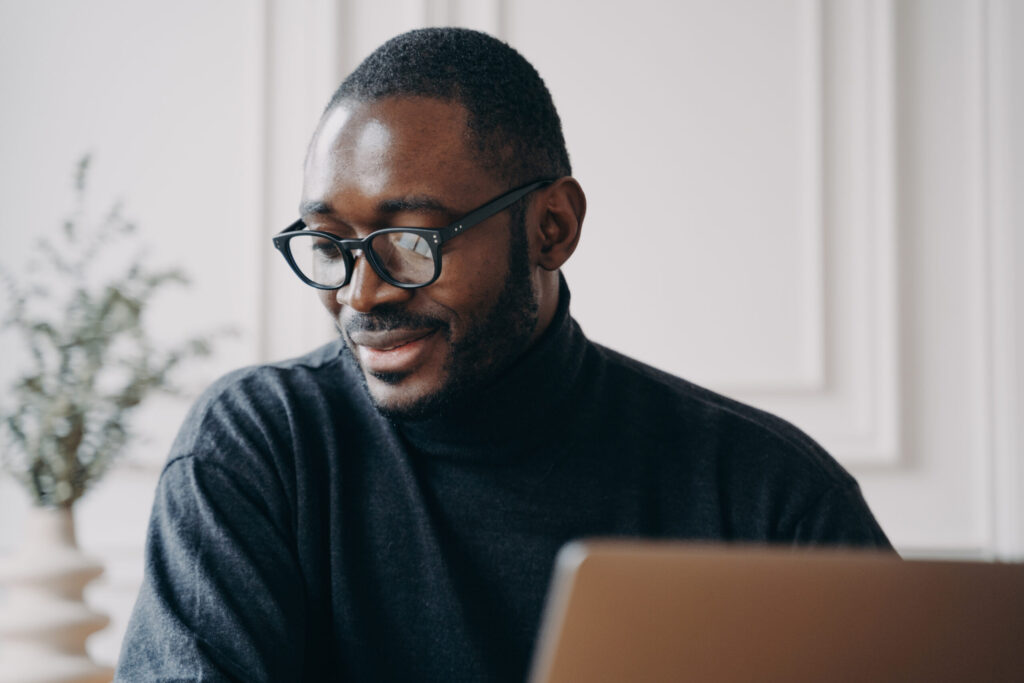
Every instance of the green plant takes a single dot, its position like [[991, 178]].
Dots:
[[91, 363]]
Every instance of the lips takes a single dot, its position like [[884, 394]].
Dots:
[[387, 340], [391, 350]]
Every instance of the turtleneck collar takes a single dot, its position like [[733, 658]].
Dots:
[[518, 409]]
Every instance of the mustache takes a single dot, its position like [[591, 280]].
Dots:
[[387, 318]]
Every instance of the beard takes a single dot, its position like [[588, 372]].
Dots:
[[482, 354]]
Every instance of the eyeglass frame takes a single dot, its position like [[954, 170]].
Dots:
[[434, 237]]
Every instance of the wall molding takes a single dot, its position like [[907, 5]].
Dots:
[[852, 399], [813, 334], [997, 355], [307, 47], [811, 377], [880, 443]]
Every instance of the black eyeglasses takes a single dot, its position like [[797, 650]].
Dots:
[[403, 257]]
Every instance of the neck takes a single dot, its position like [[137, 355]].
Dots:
[[548, 285]]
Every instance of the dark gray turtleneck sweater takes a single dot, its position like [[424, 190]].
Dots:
[[299, 535]]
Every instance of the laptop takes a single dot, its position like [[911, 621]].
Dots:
[[657, 612]]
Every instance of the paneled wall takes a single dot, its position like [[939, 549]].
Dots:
[[807, 205]]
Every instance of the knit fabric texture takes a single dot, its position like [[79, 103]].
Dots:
[[299, 535]]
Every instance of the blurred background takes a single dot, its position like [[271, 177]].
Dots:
[[822, 202]]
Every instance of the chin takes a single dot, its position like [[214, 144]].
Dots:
[[396, 396]]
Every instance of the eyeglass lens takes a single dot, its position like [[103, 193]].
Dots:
[[404, 256]]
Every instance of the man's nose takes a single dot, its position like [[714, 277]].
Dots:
[[367, 290]]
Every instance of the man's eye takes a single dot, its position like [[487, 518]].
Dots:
[[326, 249]]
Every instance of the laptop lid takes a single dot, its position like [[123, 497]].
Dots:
[[655, 611]]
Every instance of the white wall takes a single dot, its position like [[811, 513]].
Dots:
[[827, 189], [168, 98]]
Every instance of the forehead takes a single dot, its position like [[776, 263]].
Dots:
[[392, 146]]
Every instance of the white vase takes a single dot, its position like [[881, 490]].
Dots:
[[44, 621]]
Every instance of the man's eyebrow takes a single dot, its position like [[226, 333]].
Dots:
[[415, 203], [314, 207], [317, 208]]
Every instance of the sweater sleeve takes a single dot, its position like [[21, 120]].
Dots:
[[840, 516], [219, 600]]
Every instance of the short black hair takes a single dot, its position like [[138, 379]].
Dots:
[[512, 119]]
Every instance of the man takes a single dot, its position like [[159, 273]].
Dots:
[[389, 506]]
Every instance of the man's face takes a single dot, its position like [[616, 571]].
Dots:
[[406, 161]]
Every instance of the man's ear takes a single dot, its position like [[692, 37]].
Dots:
[[560, 222]]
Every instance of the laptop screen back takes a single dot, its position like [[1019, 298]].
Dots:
[[630, 611]]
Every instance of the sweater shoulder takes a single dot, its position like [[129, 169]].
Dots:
[[256, 382], [713, 419], [258, 402]]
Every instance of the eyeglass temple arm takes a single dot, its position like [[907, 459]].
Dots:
[[488, 210], [297, 225]]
